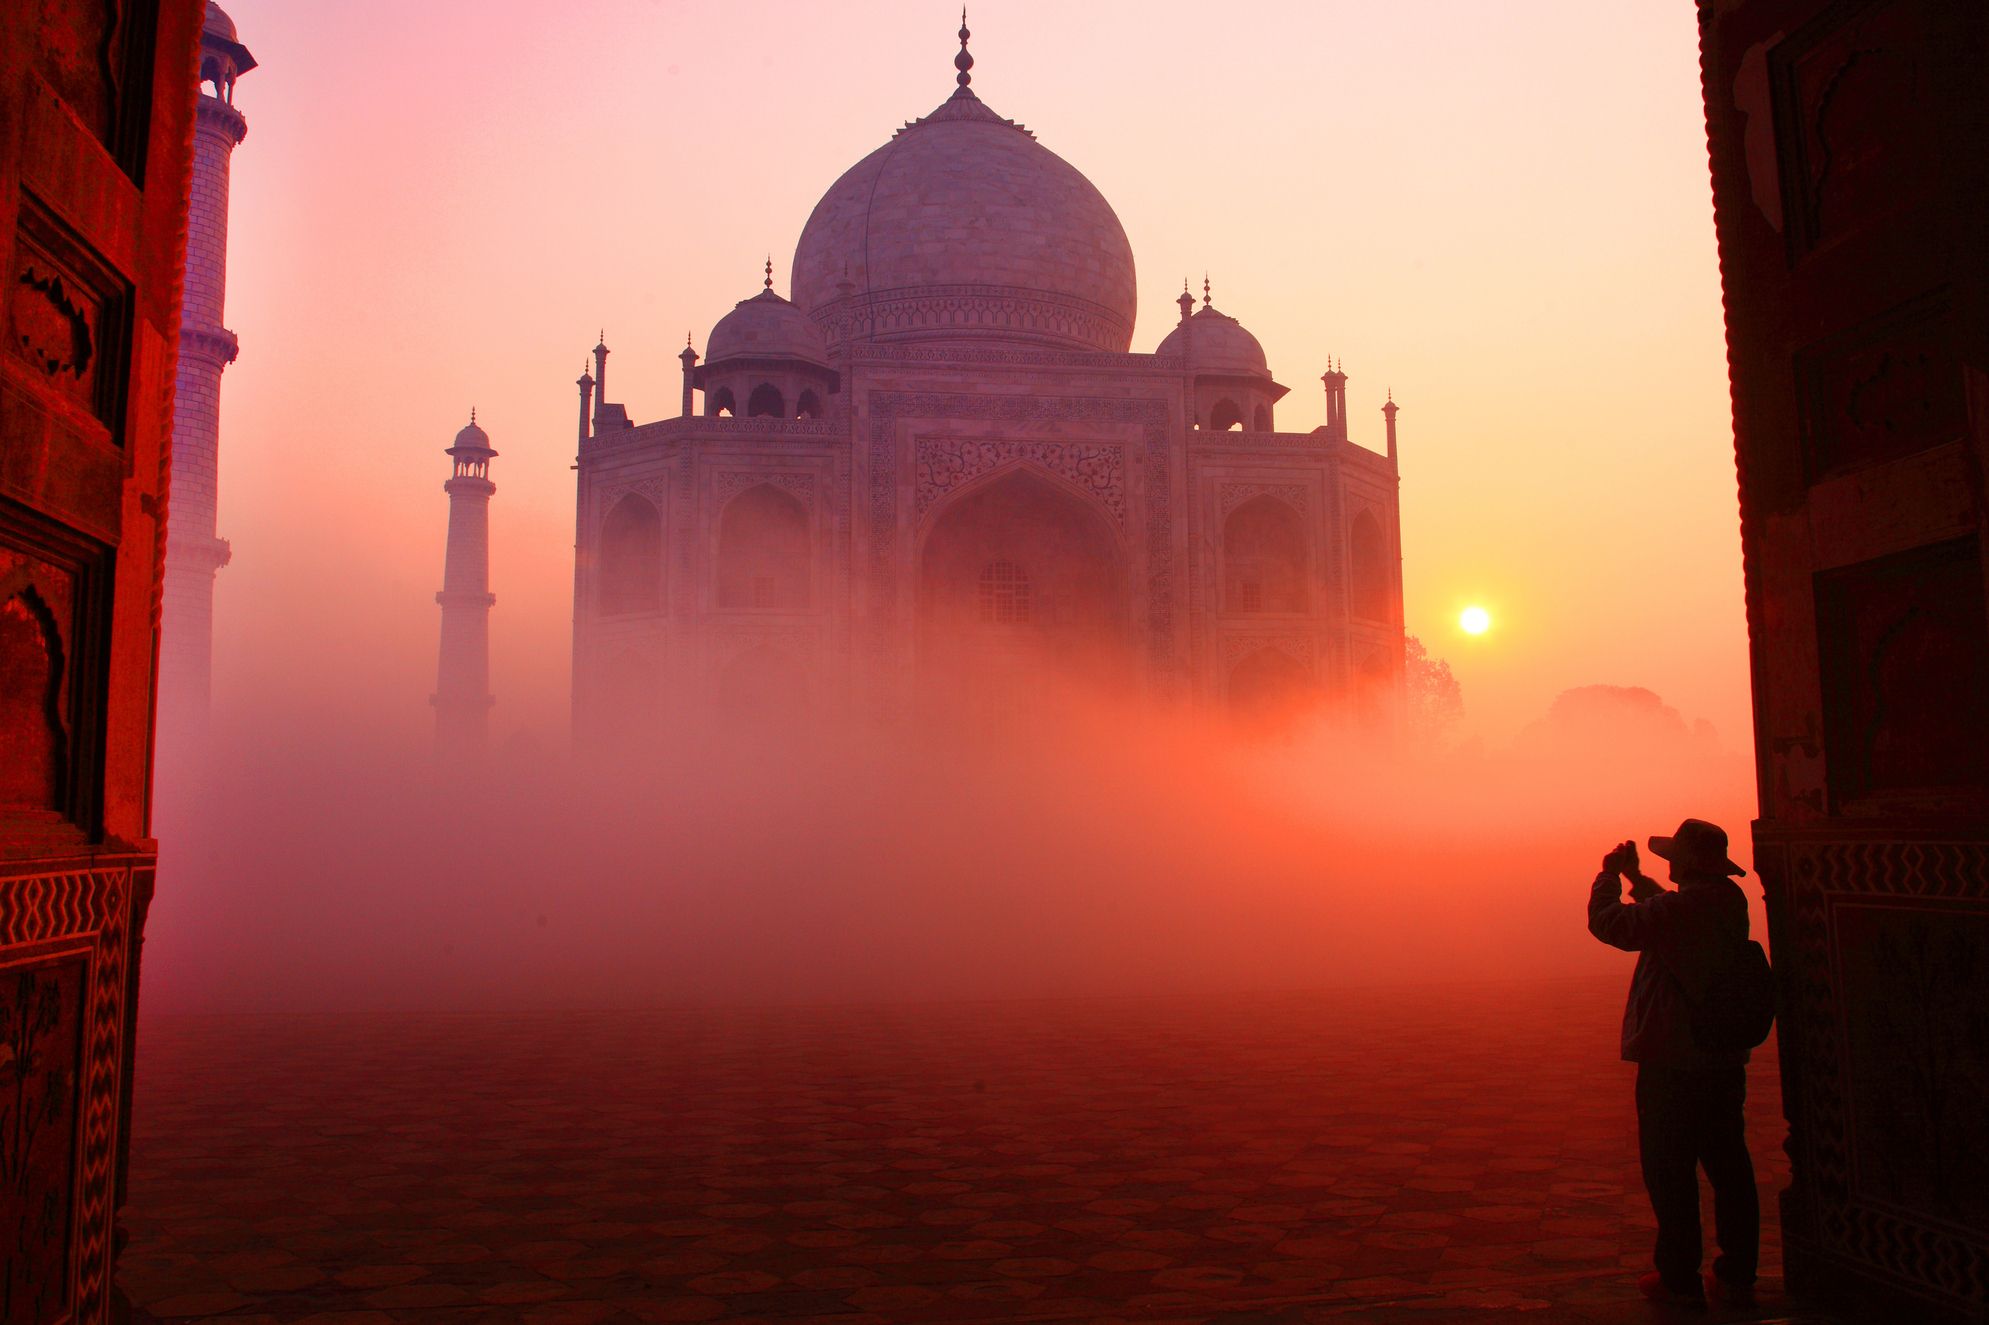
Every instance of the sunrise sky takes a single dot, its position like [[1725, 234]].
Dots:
[[1500, 210]]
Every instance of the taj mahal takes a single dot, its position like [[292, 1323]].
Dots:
[[938, 468]]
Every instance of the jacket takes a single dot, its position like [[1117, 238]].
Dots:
[[1682, 938]]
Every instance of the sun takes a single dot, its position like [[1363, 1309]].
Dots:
[[1474, 621]]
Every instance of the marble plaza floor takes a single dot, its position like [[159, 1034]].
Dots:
[[1452, 1154]]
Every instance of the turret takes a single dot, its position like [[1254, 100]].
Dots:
[[586, 385], [1336, 401], [689, 358], [1388, 412]]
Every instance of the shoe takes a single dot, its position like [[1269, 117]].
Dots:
[[1726, 1294], [1654, 1287]]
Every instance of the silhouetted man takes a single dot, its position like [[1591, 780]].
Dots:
[[1689, 1098]]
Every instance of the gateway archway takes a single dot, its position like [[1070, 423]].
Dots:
[[1020, 578]]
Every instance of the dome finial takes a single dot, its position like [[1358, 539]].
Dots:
[[473, 414], [963, 61], [769, 281], [1205, 289]]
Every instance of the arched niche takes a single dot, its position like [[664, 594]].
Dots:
[[721, 404], [764, 554], [766, 402], [1224, 415], [1019, 572], [1263, 558], [1260, 420], [809, 406], [31, 728], [629, 572], [1368, 579]]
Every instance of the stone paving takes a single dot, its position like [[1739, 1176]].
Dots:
[[1450, 1154]]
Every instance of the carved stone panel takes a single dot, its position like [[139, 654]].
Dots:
[[41, 1067], [1883, 390], [1904, 649], [1851, 118], [64, 949], [96, 56], [66, 316], [1884, 964], [945, 463]]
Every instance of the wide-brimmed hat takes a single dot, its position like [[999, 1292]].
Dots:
[[1697, 845]]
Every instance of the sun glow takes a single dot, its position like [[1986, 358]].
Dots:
[[1474, 621]]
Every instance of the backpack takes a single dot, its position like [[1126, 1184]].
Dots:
[[1737, 1006]]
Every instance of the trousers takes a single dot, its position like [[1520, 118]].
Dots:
[[1688, 1118]]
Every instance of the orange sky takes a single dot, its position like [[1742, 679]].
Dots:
[[1500, 210]]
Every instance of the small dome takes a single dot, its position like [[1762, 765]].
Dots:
[[218, 24], [766, 327], [472, 438], [1214, 342]]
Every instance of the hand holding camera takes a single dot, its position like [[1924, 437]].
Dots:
[[1622, 859]]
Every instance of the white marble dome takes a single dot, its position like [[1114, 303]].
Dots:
[[766, 327], [1215, 342], [963, 226]]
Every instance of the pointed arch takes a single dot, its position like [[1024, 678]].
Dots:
[[721, 404], [1368, 580], [764, 558], [31, 728], [766, 402], [1260, 421], [630, 569], [1263, 558], [1225, 415], [809, 406], [1019, 570]]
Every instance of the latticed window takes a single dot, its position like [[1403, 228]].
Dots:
[[1004, 593]]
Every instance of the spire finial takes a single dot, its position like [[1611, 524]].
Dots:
[[473, 414], [769, 281], [963, 61], [1205, 289], [687, 338]]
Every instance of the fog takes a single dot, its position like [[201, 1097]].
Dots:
[[1089, 846]]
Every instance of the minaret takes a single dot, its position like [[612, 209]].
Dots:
[[193, 553], [1388, 412], [462, 697], [586, 385]]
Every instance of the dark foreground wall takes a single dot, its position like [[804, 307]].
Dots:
[[96, 137], [1849, 166]]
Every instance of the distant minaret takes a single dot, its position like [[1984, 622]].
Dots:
[[462, 697], [1388, 412], [193, 553]]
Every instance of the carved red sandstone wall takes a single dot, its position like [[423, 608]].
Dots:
[[1850, 159], [98, 100]]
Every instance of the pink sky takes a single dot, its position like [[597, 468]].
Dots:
[[1500, 210]]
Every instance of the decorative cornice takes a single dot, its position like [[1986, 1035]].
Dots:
[[215, 344], [217, 116]]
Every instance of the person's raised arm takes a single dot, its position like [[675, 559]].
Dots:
[[1619, 924]]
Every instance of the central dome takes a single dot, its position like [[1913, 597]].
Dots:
[[963, 226]]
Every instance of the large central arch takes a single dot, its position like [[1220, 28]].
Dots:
[[1020, 574]]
